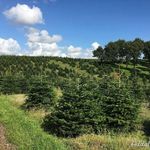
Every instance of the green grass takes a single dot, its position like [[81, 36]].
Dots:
[[23, 131]]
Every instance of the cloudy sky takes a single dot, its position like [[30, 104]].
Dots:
[[72, 28]]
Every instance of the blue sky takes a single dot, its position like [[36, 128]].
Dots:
[[82, 25]]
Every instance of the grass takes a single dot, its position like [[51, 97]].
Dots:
[[23, 131], [108, 142], [17, 99]]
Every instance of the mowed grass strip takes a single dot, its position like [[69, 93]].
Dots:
[[24, 132]]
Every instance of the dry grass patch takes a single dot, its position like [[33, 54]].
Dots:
[[18, 99], [37, 114], [145, 111], [107, 142]]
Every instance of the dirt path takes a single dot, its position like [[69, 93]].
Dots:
[[4, 145]]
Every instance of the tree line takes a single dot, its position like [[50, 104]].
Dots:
[[124, 51]]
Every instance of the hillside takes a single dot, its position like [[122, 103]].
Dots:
[[126, 86], [22, 70]]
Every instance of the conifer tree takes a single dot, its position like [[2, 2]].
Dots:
[[120, 106], [79, 111], [40, 95]]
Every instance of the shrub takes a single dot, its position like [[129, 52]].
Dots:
[[40, 95]]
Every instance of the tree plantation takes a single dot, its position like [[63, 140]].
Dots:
[[88, 107], [78, 97], [75, 75]]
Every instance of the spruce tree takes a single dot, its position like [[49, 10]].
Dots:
[[79, 111], [120, 106], [40, 95]]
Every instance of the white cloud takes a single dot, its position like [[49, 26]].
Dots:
[[79, 52], [23, 14], [88, 53], [9, 47], [44, 49], [41, 43], [42, 36], [74, 51], [95, 45]]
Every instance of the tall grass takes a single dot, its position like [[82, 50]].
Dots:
[[107, 141]]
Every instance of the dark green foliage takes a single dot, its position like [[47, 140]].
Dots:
[[7, 85], [111, 52], [89, 107], [122, 50], [135, 49], [146, 50], [137, 89], [40, 95], [13, 85], [22, 70], [99, 52], [147, 92], [79, 111], [119, 105]]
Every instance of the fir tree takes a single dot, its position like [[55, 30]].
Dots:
[[40, 95], [79, 111], [120, 106]]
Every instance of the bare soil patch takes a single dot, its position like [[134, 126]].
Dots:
[[4, 144]]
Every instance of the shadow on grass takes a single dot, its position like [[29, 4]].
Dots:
[[146, 127]]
